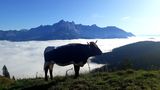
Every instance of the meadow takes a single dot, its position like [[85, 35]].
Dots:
[[118, 80]]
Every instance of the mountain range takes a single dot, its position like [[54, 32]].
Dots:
[[64, 30]]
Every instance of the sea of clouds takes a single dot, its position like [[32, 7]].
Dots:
[[25, 59]]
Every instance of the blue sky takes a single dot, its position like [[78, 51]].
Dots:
[[136, 16]]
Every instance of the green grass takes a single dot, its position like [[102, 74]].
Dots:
[[119, 80]]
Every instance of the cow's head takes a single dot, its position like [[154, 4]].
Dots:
[[94, 48]]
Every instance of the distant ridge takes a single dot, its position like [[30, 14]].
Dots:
[[64, 30]]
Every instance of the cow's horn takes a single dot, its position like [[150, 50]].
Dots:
[[96, 41]]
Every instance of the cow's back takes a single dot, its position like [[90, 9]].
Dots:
[[69, 53]]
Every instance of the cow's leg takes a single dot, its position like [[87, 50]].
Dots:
[[50, 70], [46, 67], [76, 69]]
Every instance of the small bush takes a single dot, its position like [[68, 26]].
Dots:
[[5, 82]]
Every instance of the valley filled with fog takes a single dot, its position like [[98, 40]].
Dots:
[[25, 59]]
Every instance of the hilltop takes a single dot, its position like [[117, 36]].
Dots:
[[139, 55], [64, 30]]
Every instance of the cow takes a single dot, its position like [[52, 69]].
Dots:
[[75, 53]]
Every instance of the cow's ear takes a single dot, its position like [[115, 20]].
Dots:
[[96, 41]]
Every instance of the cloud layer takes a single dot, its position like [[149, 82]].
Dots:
[[25, 59]]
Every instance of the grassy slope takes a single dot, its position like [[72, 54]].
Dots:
[[119, 80]]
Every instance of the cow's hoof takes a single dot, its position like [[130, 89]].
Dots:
[[75, 77], [46, 79]]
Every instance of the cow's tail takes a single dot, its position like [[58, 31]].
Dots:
[[47, 63]]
